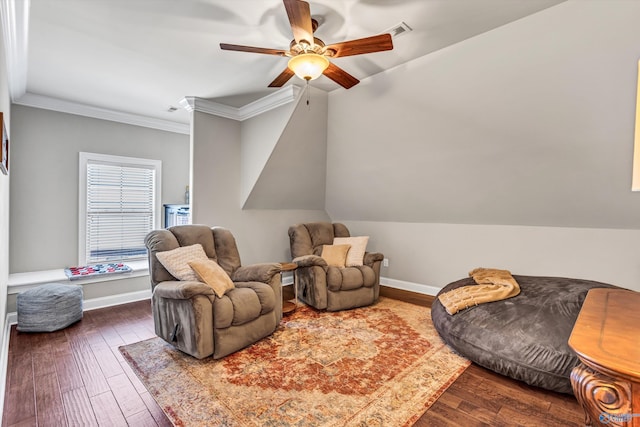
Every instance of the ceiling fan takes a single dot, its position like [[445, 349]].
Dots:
[[309, 55]]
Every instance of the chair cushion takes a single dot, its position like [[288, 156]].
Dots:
[[335, 255], [213, 275], [246, 302], [349, 278], [265, 294], [355, 256], [321, 233], [176, 261], [188, 235]]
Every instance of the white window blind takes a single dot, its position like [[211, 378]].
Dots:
[[120, 207]]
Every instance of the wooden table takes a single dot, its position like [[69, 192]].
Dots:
[[290, 306], [606, 338]]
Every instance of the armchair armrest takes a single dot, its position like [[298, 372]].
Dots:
[[371, 257], [263, 272], [310, 261], [182, 289]]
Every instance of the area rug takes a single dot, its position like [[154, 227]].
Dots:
[[382, 365]]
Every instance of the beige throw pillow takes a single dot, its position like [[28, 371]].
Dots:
[[176, 261], [213, 275], [335, 255], [355, 256]]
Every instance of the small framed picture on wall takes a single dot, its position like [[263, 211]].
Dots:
[[4, 152]]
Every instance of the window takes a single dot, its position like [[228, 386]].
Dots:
[[119, 205]]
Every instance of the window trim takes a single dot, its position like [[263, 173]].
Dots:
[[84, 159]]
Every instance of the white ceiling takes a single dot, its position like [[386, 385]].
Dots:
[[142, 56]]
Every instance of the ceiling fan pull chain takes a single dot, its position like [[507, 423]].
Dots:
[[308, 96]]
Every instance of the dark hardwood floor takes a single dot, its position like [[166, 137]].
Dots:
[[78, 377]]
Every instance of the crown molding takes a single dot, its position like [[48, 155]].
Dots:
[[14, 15], [273, 100], [48, 103]]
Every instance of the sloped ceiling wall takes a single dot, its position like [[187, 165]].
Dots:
[[258, 138], [261, 234], [294, 173], [529, 124]]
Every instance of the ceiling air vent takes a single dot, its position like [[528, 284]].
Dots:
[[399, 30]]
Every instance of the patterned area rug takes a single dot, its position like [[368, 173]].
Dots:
[[382, 365]]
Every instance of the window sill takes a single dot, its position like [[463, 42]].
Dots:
[[19, 282]]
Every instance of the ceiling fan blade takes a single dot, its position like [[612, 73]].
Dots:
[[300, 19], [282, 78], [358, 47], [240, 48], [340, 76]]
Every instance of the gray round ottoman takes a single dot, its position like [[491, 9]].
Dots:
[[49, 307]]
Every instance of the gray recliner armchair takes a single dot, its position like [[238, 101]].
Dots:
[[327, 287], [189, 314]]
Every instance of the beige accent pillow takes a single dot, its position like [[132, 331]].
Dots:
[[176, 261], [213, 275], [335, 255], [355, 256]]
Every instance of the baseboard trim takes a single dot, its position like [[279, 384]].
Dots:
[[111, 300], [4, 360], [409, 286]]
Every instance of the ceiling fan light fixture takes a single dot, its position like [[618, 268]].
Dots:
[[308, 66]]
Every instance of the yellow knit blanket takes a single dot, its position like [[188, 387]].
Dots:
[[492, 285]]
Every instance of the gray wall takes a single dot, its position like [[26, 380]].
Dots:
[[44, 185], [526, 132], [294, 175], [5, 104], [258, 138], [261, 234]]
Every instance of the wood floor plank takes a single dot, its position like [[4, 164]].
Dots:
[[106, 359], [128, 336], [451, 400], [43, 363], [468, 392], [58, 341], [78, 409], [110, 335], [21, 403], [520, 401], [137, 384], [50, 411], [92, 376], [511, 416], [116, 352], [452, 416], [29, 422], [477, 412], [69, 376], [126, 395], [142, 419], [107, 410]]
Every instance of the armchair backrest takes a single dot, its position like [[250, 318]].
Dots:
[[218, 243], [307, 239]]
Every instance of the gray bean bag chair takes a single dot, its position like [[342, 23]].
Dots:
[[49, 307], [524, 337]]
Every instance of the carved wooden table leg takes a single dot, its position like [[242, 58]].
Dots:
[[606, 338], [606, 401]]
